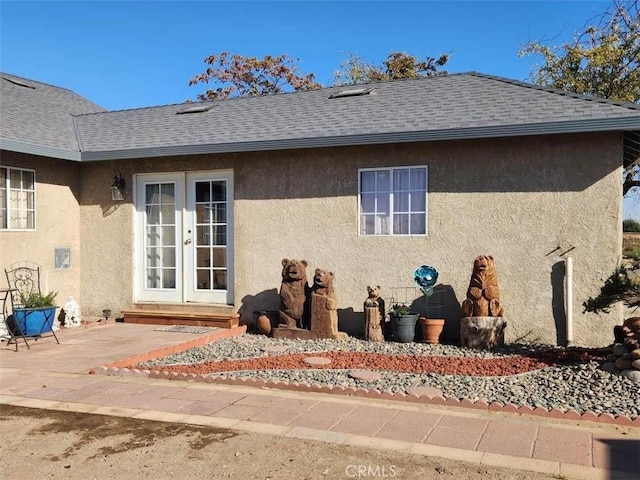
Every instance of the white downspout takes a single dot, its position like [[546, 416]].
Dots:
[[568, 271]]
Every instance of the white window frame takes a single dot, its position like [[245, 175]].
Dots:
[[6, 207], [392, 212]]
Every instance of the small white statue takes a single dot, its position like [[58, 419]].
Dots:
[[71, 311]]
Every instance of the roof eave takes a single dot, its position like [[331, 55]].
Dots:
[[466, 133], [40, 150]]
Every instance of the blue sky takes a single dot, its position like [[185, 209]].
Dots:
[[140, 53]]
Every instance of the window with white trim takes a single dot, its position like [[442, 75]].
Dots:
[[17, 199], [393, 201]]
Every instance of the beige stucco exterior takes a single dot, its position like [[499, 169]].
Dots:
[[57, 225], [530, 202]]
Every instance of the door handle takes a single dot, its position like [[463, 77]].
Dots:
[[187, 241]]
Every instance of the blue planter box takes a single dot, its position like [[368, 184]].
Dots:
[[33, 321]]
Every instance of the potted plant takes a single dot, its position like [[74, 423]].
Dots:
[[425, 277], [403, 322], [35, 315]]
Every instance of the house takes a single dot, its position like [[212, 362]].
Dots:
[[368, 181]]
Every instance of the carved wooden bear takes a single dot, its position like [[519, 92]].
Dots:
[[483, 295], [324, 306], [374, 315], [293, 292]]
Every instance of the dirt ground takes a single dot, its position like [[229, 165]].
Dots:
[[43, 444]]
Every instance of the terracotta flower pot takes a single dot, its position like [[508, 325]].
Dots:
[[431, 329]]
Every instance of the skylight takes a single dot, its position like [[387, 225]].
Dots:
[[195, 109], [354, 92]]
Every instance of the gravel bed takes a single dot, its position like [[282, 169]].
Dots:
[[580, 387]]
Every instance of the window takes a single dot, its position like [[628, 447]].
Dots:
[[393, 201], [17, 199]]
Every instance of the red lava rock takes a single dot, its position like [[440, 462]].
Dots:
[[489, 367]]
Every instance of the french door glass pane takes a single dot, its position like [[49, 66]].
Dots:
[[219, 257], [169, 278], [219, 236], [211, 234], [203, 257], [203, 235], [219, 191], [203, 277], [220, 279], [160, 242], [168, 214], [151, 193]]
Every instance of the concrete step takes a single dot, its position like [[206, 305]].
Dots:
[[182, 317], [185, 307]]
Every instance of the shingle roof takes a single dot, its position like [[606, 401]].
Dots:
[[468, 105], [40, 115]]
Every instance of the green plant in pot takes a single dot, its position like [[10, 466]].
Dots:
[[38, 300], [35, 315], [403, 322]]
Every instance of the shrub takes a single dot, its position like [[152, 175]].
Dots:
[[37, 300], [630, 225]]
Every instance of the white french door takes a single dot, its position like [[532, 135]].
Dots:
[[184, 227]]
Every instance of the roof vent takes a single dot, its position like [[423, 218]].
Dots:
[[354, 92], [20, 84], [196, 109]]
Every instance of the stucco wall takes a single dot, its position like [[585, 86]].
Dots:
[[57, 225], [525, 201]]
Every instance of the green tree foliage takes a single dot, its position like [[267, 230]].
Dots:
[[603, 60], [631, 226], [237, 76], [397, 65]]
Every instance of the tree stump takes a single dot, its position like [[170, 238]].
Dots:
[[372, 327], [482, 332]]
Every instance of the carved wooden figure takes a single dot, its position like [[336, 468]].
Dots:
[[293, 292], [374, 313], [483, 294], [324, 306]]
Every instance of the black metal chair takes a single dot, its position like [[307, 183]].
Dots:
[[23, 279]]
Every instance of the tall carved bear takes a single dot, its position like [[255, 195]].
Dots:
[[324, 306], [483, 294], [293, 292]]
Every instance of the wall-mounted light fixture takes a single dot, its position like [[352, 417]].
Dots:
[[117, 186]]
